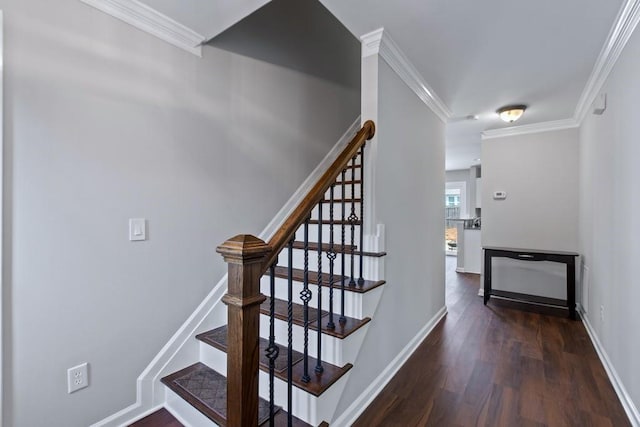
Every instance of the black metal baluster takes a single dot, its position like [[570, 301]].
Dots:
[[343, 253], [290, 336], [331, 254], [361, 278], [319, 369], [305, 296], [272, 350], [353, 218]]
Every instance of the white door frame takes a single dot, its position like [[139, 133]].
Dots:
[[462, 186]]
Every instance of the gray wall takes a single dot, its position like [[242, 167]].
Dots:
[[539, 172], [609, 228], [105, 123], [409, 173]]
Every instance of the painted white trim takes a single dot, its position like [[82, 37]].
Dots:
[[147, 394], [151, 21], [380, 42], [531, 128], [619, 35], [371, 42], [351, 414], [1, 214], [618, 386]]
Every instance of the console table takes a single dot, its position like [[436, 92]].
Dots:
[[568, 258]]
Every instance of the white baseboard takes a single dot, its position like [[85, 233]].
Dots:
[[459, 270], [618, 386], [149, 391], [351, 414], [481, 292]]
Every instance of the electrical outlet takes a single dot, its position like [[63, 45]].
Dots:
[[602, 314], [77, 378]]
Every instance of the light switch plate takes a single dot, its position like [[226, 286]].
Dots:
[[499, 195], [137, 229]]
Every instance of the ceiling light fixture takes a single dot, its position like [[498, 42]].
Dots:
[[511, 113]]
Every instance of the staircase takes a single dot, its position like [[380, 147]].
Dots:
[[298, 308]]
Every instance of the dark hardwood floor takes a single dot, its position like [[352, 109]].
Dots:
[[160, 418], [492, 366], [498, 366]]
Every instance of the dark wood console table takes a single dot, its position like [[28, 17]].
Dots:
[[568, 258]]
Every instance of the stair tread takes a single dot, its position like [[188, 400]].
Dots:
[[206, 390], [313, 246], [335, 222], [298, 276], [342, 330], [316, 386], [218, 338]]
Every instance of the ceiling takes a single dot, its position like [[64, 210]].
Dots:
[[476, 55]]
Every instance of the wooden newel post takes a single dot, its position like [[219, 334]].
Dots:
[[245, 255]]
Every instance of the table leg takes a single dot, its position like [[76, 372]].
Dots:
[[571, 288], [487, 276]]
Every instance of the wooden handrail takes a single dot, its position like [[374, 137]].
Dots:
[[313, 197]]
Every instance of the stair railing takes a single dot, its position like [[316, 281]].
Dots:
[[249, 258]]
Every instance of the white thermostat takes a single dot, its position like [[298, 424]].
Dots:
[[499, 195]]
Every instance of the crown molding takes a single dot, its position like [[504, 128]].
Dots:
[[532, 128], [379, 42], [623, 27], [151, 21]]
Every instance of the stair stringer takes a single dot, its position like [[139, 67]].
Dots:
[[183, 349]]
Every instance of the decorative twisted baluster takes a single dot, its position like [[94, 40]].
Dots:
[[331, 254], [319, 369], [361, 278], [353, 218], [272, 350], [290, 335], [343, 319], [305, 296]]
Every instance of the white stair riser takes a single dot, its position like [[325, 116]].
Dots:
[[298, 262], [353, 301], [306, 406], [334, 350]]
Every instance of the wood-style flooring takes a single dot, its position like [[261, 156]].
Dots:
[[492, 366], [498, 366]]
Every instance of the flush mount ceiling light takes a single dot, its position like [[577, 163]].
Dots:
[[511, 113]]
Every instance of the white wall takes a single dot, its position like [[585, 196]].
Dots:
[[609, 228], [103, 123], [539, 172], [409, 174]]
